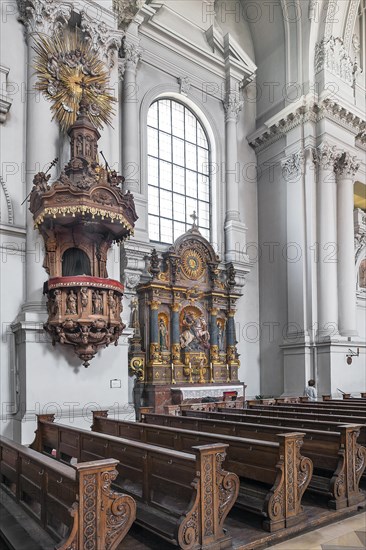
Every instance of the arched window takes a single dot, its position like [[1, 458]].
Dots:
[[178, 171]]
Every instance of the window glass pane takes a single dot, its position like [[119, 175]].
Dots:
[[154, 228], [203, 188], [204, 214], [178, 172], [165, 150], [191, 205], [166, 230], [179, 229], [153, 168], [178, 179], [191, 183], [178, 151], [177, 119], [201, 137], [202, 160], [191, 156], [191, 126], [164, 115], [179, 208], [165, 175], [153, 199], [165, 203], [152, 142], [152, 117]]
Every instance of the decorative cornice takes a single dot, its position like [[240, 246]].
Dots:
[[313, 112], [233, 104], [104, 39], [346, 165], [44, 16], [331, 54]]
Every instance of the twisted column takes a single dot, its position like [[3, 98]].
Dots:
[[346, 168], [175, 345]]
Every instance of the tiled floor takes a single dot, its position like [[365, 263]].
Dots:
[[349, 533]]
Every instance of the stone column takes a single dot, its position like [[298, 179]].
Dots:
[[42, 135], [346, 168], [154, 331], [130, 127], [327, 256], [234, 228], [175, 345]]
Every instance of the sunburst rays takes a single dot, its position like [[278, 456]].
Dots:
[[65, 64]]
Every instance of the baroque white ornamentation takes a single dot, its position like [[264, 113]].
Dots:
[[5, 101], [126, 10], [133, 54], [233, 104], [293, 166], [331, 54], [346, 164], [9, 204], [103, 39], [185, 85], [325, 155], [46, 16]]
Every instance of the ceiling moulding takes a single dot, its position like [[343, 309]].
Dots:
[[224, 47], [302, 112]]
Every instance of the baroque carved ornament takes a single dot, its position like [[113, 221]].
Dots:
[[66, 65]]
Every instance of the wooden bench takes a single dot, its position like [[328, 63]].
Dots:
[[182, 497], [339, 460], [74, 504], [315, 409], [287, 413], [273, 475]]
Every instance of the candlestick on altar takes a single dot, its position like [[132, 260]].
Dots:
[[173, 378], [228, 373], [190, 373], [211, 371]]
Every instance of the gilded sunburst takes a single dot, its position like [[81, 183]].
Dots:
[[65, 64]]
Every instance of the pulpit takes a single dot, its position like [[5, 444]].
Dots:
[[184, 325]]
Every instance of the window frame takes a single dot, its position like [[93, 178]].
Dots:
[[198, 173]]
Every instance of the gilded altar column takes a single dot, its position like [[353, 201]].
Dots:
[[154, 332], [42, 134], [214, 337], [130, 126], [346, 168], [175, 344], [327, 257]]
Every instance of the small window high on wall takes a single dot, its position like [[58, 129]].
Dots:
[[178, 171]]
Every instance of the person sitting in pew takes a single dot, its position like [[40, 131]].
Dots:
[[310, 390]]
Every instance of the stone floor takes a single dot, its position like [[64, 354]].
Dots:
[[349, 533]]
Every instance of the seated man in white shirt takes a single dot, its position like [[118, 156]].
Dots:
[[310, 391]]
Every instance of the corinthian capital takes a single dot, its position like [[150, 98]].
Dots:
[[292, 166], [325, 155], [346, 165], [132, 54], [103, 39], [232, 105], [44, 16]]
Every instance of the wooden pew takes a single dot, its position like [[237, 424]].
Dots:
[[356, 411], [339, 461], [278, 465], [182, 497], [75, 505], [287, 413]]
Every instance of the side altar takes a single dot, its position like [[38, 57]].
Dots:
[[184, 323]]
